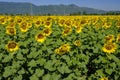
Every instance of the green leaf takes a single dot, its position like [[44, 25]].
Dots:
[[7, 58], [19, 56], [66, 57], [55, 76], [41, 61], [49, 65], [100, 72], [117, 60], [109, 71], [22, 71], [8, 71], [34, 77], [32, 63], [64, 69], [39, 72], [31, 70], [46, 77], [18, 77]]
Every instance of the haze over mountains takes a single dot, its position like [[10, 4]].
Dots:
[[28, 8]]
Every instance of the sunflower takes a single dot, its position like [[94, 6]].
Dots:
[[66, 31], [11, 25], [118, 38], [77, 43], [12, 46], [109, 38], [37, 23], [83, 22], [79, 29], [11, 30], [40, 37], [67, 23], [118, 24], [47, 31], [103, 78], [109, 47], [61, 22], [57, 51], [2, 20], [11, 20], [63, 49], [75, 23], [24, 27], [47, 24], [19, 20], [107, 25]]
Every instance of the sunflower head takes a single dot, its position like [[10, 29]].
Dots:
[[118, 24], [77, 43], [11, 25], [118, 38], [61, 22], [47, 31], [109, 47], [78, 29], [67, 23], [47, 24], [40, 37], [24, 27], [37, 23], [11, 30], [19, 20], [66, 31], [12, 46], [83, 22], [109, 38], [103, 78], [107, 25], [63, 49], [2, 20]]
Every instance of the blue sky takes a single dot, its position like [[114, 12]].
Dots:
[[97, 4]]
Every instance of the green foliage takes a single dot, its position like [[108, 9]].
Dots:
[[38, 61]]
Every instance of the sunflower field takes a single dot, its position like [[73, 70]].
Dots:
[[59, 47]]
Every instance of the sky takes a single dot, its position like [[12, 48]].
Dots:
[[97, 4]]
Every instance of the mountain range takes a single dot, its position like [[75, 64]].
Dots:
[[29, 8]]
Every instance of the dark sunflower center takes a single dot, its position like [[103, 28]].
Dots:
[[19, 20], [66, 30], [40, 36], [12, 45], [62, 21], [47, 23], [12, 20], [77, 42], [108, 47], [37, 22], [24, 26], [78, 27], [11, 30], [67, 23], [118, 39], [2, 20], [83, 21], [46, 31], [63, 49], [105, 79], [109, 38], [12, 25], [118, 24]]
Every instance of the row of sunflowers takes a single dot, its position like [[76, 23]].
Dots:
[[60, 47]]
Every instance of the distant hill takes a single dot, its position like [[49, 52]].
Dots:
[[28, 8]]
